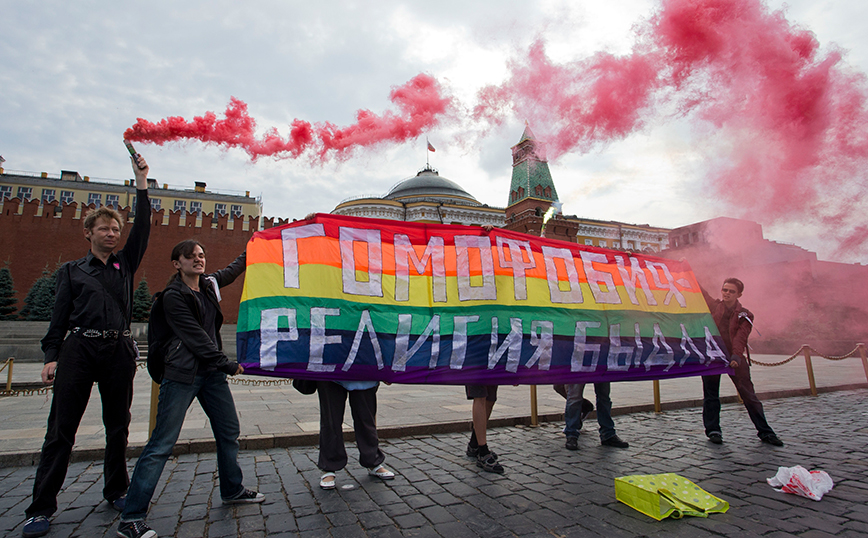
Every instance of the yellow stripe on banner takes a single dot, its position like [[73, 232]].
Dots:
[[266, 280]]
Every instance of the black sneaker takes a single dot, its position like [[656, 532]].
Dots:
[[35, 526], [135, 529], [615, 441], [246, 496], [715, 438], [772, 440], [489, 463], [572, 443]]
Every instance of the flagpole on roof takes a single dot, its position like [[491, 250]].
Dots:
[[427, 152]]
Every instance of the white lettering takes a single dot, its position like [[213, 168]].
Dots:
[[516, 261], [374, 286], [289, 239], [632, 277], [685, 342], [402, 342], [595, 277], [459, 340], [467, 292], [574, 294], [580, 347], [270, 334], [658, 357], [365, 324], [669, 284], [543, 342], [511, 344], [405, 253], [616, 351], [318, 339]]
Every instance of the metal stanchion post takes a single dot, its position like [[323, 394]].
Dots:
[[658, 408], [11, 361], [864, 358], [810, 368], [155, 398], [534, 417]]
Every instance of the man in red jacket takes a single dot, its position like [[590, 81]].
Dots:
[[734, 322]]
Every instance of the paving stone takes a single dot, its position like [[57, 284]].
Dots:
[[440, 492]]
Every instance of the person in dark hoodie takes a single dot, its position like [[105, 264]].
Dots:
[[188, 312]]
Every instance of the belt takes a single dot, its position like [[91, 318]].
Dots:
[[95, 333]]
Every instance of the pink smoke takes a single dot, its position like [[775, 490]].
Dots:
[[790, 122], [420, 104]]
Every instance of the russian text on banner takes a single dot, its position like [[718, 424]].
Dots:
[[347, 298]]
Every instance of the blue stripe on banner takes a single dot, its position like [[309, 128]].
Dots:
[[560, 360]]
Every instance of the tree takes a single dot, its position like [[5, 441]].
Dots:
[[7, 294], [142, 301], [39, 302]]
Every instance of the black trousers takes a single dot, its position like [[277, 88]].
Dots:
[[363, 406], [744, 386], [111, 364]]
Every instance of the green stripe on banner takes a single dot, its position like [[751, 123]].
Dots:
[[385, 318]]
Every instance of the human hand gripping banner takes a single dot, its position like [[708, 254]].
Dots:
[[346, 298]]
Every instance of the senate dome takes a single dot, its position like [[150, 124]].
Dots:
[[428, 185]]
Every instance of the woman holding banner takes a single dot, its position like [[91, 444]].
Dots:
[[188, 314]]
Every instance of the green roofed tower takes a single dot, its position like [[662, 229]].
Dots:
[[530, 171]]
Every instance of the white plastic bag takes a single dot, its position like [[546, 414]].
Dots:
[[812, 485]]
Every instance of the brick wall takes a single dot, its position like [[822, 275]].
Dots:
[[30, 242]]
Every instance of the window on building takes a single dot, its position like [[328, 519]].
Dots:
[[616, 244], [602, 243], [156, 204], [6, 191], [94, 198], [236, 211], [67, 197], [112, 200], [629, 244], [548, 192], [219, 209], [181, 205], [538, 190], [196, 207], [47, 195], [24, 193], [589, 242]]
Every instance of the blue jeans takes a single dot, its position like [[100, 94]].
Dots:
[[214, 396], [573, 411]]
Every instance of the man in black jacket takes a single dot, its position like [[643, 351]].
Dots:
[[93, 303]]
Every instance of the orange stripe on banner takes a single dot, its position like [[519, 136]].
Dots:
[[326, 251]]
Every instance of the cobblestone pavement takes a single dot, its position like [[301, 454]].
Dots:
[[546, 490]]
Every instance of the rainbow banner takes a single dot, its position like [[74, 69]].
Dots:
[[346, 298]]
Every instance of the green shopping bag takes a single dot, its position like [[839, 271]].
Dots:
[[666, 495]]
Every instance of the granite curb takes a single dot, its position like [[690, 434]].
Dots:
[[262, 442]]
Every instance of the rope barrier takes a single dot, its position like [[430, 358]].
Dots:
[[26, 392], [278, 382], [813, 351], [255, 382]]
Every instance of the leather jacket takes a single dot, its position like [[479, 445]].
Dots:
[[191, 350]]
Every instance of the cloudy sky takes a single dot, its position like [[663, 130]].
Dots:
[[76, 75]]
